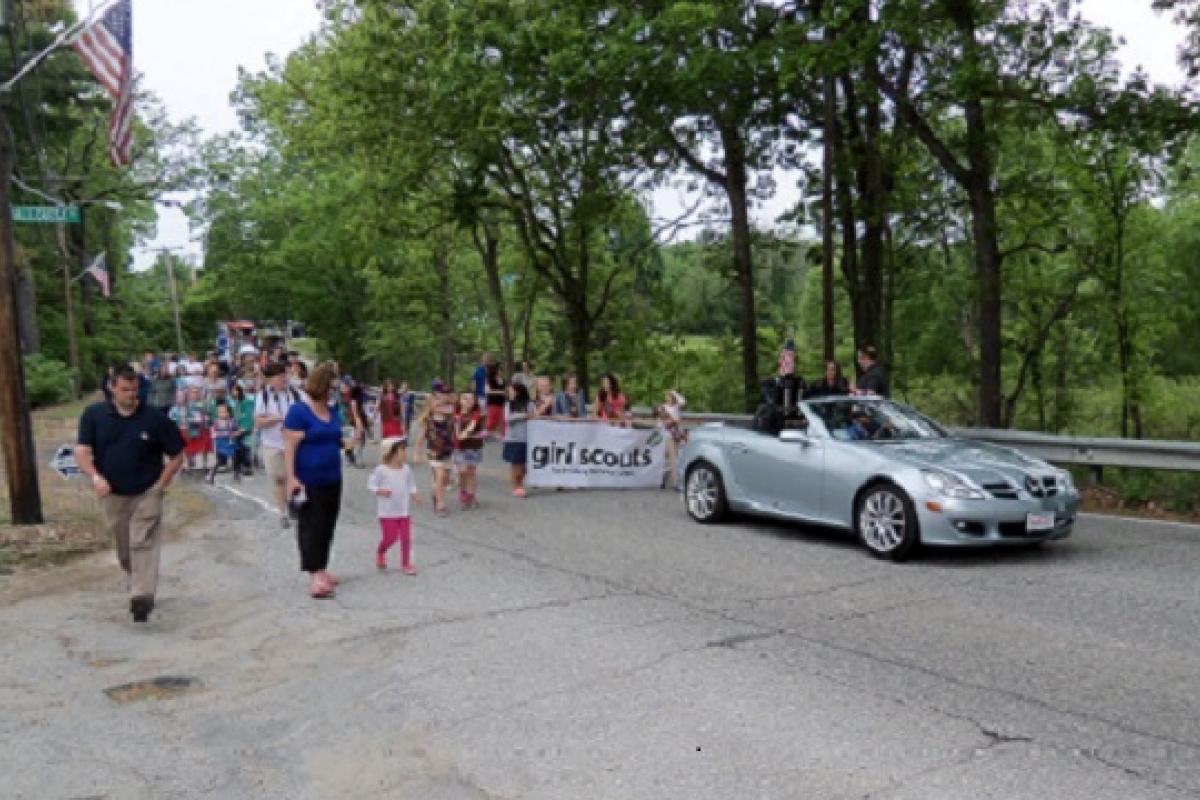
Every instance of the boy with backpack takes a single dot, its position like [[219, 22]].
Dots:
[[270, 408]]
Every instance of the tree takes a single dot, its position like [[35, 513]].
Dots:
[[706, 92]]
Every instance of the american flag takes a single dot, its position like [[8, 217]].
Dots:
[[107, 48], [99, 271]]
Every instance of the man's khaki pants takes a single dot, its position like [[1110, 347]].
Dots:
[[134, 522]]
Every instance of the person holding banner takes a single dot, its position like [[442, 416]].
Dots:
[[569, 402], [543, 397], [611, 404], [516, 434]]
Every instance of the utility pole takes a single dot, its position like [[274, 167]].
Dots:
[[166, 259], [69, 309], [16, 427]]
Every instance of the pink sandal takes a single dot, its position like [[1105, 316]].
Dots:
[[320, 589]]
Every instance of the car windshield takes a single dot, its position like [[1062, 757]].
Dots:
[[874, 420]]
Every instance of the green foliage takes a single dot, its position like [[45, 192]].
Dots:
[[47, 381], [379, 159]]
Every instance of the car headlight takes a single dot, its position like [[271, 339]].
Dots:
[[1066, 481], [951, 486]]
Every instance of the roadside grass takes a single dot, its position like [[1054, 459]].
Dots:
[[73, 526]]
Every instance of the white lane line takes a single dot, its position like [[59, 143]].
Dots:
[[263, 504], [1141, 520]]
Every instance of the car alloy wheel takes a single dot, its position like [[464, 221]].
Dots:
[[887, 524], [704, 493]]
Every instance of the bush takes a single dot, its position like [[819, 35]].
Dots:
[[47, 381]]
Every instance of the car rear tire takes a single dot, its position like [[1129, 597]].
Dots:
[[886, 522], [704, 494]]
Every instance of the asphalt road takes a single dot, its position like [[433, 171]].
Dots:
[[600, 645]]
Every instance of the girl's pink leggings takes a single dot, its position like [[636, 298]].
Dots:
[[397, 528]]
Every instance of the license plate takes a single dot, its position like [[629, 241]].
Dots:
[[1037, 523]]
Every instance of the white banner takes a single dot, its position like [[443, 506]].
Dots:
[[594, 455]]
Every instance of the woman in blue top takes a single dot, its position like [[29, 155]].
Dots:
[[312, 438], [569, 402]]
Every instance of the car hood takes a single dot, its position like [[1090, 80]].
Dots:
[[979, 461]]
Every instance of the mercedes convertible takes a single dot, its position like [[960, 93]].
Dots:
[[883, 471]]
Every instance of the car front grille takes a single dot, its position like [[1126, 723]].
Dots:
[[1004, 491], [1043, 486]]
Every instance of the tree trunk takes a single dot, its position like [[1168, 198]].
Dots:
[[527, 322], [31, 337], [735, 188], [441, 261], [874, 212], [1039, 391], [887, 345], [488, 245], [987, 270], [580, 328], [1125, 367], [831, 146], [982, 194]]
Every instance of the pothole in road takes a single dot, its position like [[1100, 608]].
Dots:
[[160, 688]]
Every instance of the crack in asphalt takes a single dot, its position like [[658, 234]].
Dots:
[[992, 738], [580, 686], [496, 613], [765, 633]]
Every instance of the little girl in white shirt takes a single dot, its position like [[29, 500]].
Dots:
[[393, 484]]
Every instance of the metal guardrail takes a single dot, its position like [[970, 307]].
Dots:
[[1094, 452]]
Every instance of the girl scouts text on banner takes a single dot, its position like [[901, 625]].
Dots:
[[594, 455]]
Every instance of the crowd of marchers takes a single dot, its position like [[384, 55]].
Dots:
[[269, 411]]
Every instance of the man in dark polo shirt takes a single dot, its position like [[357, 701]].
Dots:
[[121, 447], [872, 380]]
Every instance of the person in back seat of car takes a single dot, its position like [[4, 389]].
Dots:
[[872, 380], [831, 384]]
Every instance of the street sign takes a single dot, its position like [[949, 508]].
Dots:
[[64, 462], [46, 214]]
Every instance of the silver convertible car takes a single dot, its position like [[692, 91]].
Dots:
[[889, 474]]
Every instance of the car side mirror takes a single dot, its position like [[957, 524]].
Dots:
[[795, 436]]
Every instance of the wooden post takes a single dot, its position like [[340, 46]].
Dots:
[[16, 427]]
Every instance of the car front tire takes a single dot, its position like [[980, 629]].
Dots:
[[886, 522], [704, 494]]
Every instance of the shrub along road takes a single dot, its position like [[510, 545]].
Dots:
[[600, 645]]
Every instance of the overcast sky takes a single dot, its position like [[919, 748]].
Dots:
[[189, 52]]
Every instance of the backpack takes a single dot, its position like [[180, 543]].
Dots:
[[292, 393]]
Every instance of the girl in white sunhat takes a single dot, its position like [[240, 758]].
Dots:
[[393, 485]]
